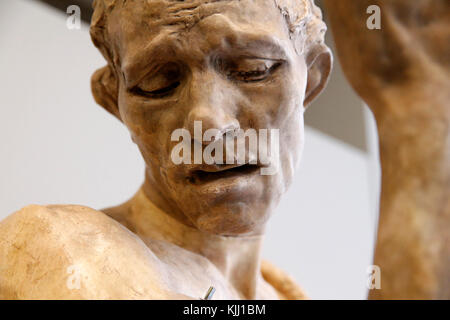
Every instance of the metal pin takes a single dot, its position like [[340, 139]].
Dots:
[[210, 293]]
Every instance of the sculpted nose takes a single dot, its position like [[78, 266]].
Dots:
[[210, 118], [212, 107]]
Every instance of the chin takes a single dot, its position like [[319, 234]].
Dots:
[[228, 204], [232, 219]]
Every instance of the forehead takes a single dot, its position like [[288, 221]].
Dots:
[[137, 25], [157, 14]]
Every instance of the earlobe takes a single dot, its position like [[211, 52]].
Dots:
[[104, 89], [319, 62]]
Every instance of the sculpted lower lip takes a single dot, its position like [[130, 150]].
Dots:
[[200, 177]]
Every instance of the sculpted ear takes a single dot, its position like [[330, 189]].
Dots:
[[319, 62], [104, 89]]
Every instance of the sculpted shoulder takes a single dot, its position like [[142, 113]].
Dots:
[[75, 252]]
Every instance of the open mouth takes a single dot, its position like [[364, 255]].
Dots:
[[201, 176]]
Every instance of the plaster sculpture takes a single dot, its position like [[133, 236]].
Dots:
[[230, 65]]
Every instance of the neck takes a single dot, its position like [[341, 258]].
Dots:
[[237, 258]]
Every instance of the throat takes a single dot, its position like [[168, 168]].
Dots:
[[237, 258]]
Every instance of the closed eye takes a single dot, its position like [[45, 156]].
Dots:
[[160, 83], [257, 75], [158, 93]]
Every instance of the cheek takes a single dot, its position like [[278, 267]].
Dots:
[[291, 146], [295, 140], [272, 104], [150, 128]]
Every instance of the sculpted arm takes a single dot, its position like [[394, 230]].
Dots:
[[403, 73]]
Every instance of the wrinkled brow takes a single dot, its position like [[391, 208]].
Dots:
[[183, 13]]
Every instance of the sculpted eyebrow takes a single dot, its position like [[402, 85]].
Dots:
[[145, 62], [262, 49], [257, 45]]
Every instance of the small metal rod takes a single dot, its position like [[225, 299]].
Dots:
[[210, 293]]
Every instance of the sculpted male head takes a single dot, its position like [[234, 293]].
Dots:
[[249, 64]]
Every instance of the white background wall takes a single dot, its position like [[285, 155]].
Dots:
[[58, 146]]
